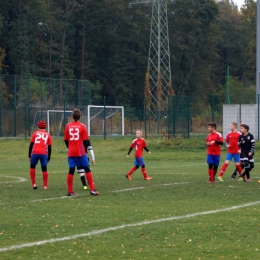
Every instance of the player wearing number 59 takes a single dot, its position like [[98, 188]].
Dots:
[[77, 142], [40, 149]]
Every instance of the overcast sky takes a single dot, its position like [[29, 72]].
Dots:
[[239, 3]]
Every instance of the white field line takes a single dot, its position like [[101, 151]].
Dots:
[[137, 188], [101, 231], [57, 198], [20, 179]]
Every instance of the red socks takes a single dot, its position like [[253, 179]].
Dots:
[[223, 169], [70, 183], [32, 176], [214, 173], [144, 173], [45, 179], [239, 169], [90, 180], [211, 174], [131, 171]]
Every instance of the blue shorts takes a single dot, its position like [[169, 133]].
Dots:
[[79, 161], [139, 161], [231, 155], [36, 157], [213, 159]]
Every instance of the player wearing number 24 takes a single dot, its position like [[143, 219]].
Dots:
[[40, 149]]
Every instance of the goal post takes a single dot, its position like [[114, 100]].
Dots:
[[105, 120], [56, 118]]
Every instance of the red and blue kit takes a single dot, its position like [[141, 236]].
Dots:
[[41, 140], [75, 134], [139, 144], [215, 148], [232, 139]]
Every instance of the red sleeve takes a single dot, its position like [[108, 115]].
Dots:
[[132, 144], [66, 133], [221, 138], [144, 143], [85, 134], [33, 138], [50, 140], [227, 139]]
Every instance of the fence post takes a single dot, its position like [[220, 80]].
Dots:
[[258, 100], [15, 115], [188, 105], [105, 118], [145, 131], [25, 119], [28, 109], [64, 111], [41, 95], [212, 107], [1, 105]]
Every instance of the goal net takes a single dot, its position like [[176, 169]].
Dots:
[[104, 120], [54, 120]]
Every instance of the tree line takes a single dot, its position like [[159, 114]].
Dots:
[[107, 42]]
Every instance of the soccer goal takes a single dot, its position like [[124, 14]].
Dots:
[[55, 121], [107, 120]]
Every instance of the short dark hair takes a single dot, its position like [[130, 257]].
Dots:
[[245, 126], [212, 124], [76, 114]]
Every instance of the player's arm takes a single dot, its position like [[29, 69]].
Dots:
[[49, 152], [88, 147], [66, 143], [252, 149], [146, 149], [219, 142], [30, 149]]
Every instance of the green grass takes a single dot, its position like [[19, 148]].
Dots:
[[178, 189]]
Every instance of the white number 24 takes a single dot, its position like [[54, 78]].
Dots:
[[42, 136], [74, 133]]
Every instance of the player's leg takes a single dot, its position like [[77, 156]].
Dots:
[[146, 177], [34, 161], [235, 173], [216, 161], [224, 166], [43, 160], [210, 163], [252, 165], [90, 181], [81, 173], [136, 166], [72, 165]]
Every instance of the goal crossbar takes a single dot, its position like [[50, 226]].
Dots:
[[58, 111], [106, 117]]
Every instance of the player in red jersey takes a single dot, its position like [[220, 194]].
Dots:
[[232, 140], [213, 142], [139, 144], [77, 141], [40, 149]]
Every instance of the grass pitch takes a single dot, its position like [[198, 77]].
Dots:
[[174, 216]]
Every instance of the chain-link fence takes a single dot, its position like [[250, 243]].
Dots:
[[23, 99]]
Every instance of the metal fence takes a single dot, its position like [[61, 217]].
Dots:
[[22, 97]]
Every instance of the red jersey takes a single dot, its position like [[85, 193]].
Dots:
[[41, 140], [232, 139], [75, 133], [214, 149], [139, 144]]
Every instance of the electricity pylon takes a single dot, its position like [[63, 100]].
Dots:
[[158, 76]]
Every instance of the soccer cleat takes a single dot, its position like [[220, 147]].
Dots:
[[245, 180], [240, 178], [72, 194], [128, 177], [85, 187], [209, 182], [233, 176], [148, 178], [219, 178], [45, 187], [34, 186], [249, 180], [94, 193]]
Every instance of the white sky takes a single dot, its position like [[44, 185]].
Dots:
[[239, 3]]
